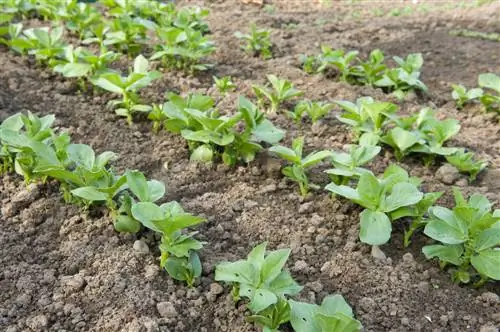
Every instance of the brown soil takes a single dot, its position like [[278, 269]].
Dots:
[[64, 270]]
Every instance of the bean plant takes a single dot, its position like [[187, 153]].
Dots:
[[127, 87], [281, 91], [224, 84], [381, 197], [34, 150], [183, 49], [261, 279], [488, 93], [347, 165], [234, 138], [315, 110], [299, 164], [421, 133], [258, 42], [465, 162], [469, 236], [367, 115]]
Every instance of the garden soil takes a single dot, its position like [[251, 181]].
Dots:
[[63, 269]]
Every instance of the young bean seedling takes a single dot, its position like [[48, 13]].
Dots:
[[367, 115], [380, 197], [224, 84], [261, 279], [347, 166], [127, 87], [281, 91], [258, 42], [334, 314], [315, 110], [178, 250], [297, 171], [470, 239], [465, 163]]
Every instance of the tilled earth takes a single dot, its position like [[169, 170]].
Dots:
[[66, 270]]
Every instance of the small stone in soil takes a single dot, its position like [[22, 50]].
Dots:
[[378, 253], [166, 309], [141, 247], [447, 174]]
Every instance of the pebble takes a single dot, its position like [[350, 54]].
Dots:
[[488, 328], [151, 271], [300, 265], [215, 290], [141, 247], [269, 188], [367, 304], [38, 322], [447, 174], [166, 309], [377, 253], [73, 283], [306, 207], [423, 286], [490, 297]]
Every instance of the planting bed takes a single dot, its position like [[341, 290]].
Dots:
[[64, 269]]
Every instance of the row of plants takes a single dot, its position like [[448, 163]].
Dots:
[[34, 150], [488, 93], [353, 70]]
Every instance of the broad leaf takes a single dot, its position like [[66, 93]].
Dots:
[[375, 227]]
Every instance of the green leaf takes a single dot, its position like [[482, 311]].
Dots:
[[147, 213], [403, 194], [177, 268], [178, 222], [302, 316], [207, 136], [203, 153], [267, 132], [314, 158], [446, 227], [446, 253], [256, 257], [141, 64], [338, 322], [90, 194], [73, 69], [138, 185], [285, 153], [156, 190], [273, 264], [261, 299], [110, 83], [82, 155], [284, 284], [333, 304], [370, 191], [240, 272], [488, 238], [344, 191], [487, 263], [489, 81], [126, 224], [375, 227]]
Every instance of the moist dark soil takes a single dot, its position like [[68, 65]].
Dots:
[[67, 270]]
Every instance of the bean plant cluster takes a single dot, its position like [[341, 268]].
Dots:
[[34, 150], [180, 36], [373, 71], [467, 236], [488, 93]]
